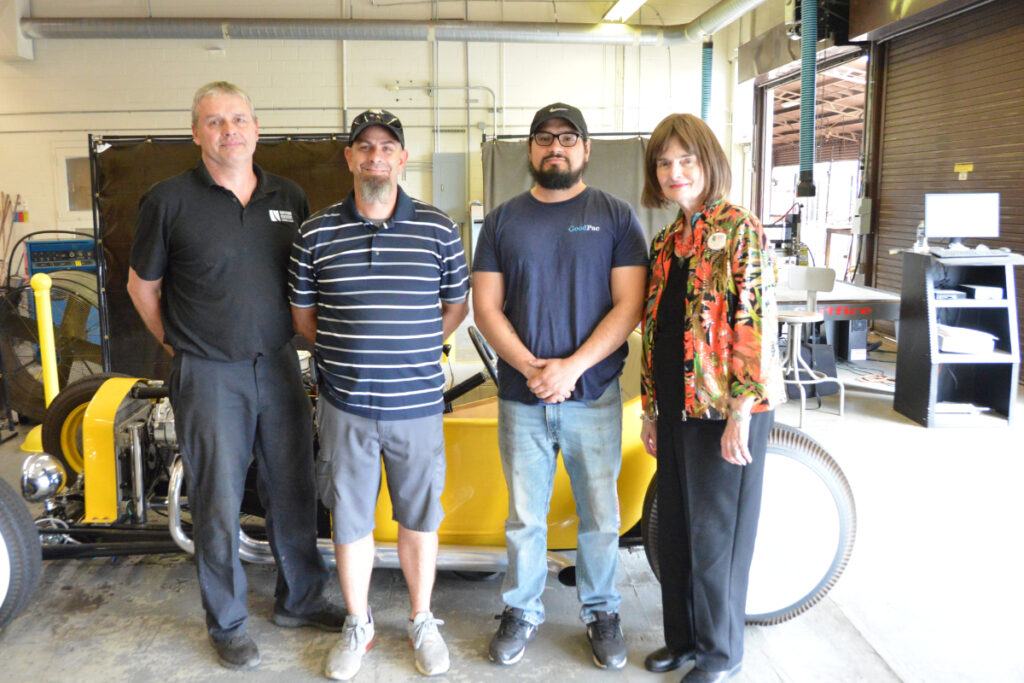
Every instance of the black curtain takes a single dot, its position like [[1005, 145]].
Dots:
[[124, 168]]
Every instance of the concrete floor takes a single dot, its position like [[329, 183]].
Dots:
[[930, 594]]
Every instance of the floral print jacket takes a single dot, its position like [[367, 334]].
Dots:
[[730, 347]]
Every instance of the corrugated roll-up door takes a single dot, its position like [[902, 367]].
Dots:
[[953, 93]]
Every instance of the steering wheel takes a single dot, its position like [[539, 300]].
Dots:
[[486, 353]]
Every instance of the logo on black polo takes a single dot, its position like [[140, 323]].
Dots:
[[281, 216]]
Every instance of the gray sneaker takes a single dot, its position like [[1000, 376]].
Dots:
[[509, 644], [345, 658], [428, 646], [606, 640]]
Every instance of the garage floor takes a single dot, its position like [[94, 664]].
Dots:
[[932, 593]]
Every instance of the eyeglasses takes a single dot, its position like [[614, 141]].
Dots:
[[564, 139]]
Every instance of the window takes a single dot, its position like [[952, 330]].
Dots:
[[72, 186], [79, 182]]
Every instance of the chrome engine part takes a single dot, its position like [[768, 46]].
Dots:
[[42, 477], [161, 425]]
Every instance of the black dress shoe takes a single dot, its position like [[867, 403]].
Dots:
[[664, 659], [238, 652], [700, 676], [327, 618]]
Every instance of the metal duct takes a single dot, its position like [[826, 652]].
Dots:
[[713, 20], [808, 80], [710, 21]]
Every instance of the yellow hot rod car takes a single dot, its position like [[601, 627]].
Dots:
[[111, 483]]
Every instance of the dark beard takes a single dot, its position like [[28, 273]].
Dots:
[[555, 179]]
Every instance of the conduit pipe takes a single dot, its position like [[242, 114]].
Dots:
[[714, 19]]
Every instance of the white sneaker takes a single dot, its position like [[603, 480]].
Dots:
[[428, 646], [346, 656]]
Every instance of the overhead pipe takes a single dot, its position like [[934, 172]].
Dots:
[[714, 19], [808, 81]]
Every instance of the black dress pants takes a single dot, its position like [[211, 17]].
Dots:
[[225, 414], [707, 521]]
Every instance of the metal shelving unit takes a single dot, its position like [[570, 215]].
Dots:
[[937, 388]]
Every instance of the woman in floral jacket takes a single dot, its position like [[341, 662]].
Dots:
[[711, 378]]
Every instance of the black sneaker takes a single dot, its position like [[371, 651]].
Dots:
[[237, 652], [327, 618], [509, 644], [606, 640]]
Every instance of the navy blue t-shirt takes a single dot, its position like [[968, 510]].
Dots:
[[556, 260]]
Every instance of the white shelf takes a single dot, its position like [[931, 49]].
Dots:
[[970, 303]]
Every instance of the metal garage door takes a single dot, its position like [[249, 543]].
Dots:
[[953, 93]]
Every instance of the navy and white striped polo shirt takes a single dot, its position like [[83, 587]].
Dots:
[[378, 294]]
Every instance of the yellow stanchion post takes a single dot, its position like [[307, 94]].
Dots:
[[41, 285]]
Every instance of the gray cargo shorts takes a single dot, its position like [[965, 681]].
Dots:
[[349, 463]]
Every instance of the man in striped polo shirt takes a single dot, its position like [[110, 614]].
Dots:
[[378, 281]]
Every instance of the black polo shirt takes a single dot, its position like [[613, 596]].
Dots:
[[224, 266]]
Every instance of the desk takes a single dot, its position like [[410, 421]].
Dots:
[[845, 302]]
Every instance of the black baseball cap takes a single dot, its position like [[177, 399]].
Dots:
[[376, 117], [559, 110]]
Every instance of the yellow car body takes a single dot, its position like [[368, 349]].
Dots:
[[475, 497]]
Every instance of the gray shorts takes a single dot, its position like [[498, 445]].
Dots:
[[348, 470]]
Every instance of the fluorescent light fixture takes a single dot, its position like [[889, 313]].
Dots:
[[623, 9]]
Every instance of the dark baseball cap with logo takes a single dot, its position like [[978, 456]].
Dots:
[[376, 117], [559, 110]]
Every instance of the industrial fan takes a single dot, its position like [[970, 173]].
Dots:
[[76, 338]]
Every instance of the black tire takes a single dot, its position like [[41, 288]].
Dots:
[[785, 442], [62, 432], [21, 555]]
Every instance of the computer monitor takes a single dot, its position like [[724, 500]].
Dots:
[[957, 215]]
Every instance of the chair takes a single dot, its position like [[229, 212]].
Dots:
[[811, 280]]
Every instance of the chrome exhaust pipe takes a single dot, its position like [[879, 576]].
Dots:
[[178, 534], [469, 558]]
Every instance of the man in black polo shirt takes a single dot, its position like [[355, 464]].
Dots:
[[208, 277]]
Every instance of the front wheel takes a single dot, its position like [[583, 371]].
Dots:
[[806, 531], [21, 556], [62, 422]]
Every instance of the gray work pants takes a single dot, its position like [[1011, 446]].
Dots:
[[225, 414]]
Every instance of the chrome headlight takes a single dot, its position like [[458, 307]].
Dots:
[[42, 477]]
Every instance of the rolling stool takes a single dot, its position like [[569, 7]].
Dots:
[[811, 280]]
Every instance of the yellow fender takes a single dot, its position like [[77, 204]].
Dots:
[[98, 443]]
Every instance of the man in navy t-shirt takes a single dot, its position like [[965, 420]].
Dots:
[[558, 283]]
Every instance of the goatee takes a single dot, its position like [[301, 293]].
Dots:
[[375, 190]]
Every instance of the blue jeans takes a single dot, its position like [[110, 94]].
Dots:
[[590, 438]]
